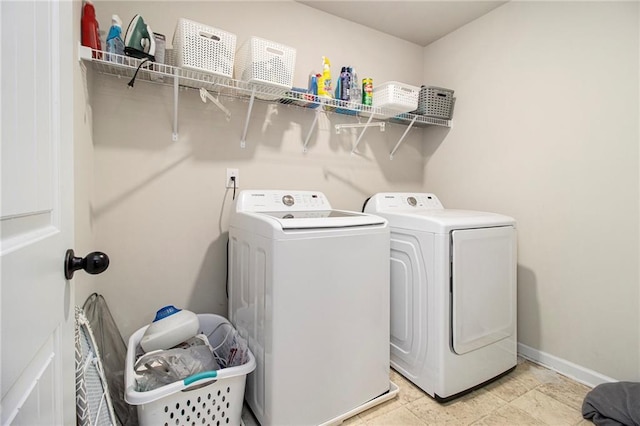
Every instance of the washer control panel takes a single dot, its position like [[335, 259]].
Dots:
[[281, 200], [403, 201]]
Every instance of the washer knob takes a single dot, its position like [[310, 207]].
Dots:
[[288, 200], [412, 201]]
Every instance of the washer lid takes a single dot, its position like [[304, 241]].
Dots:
[[291, 210], [321, 219]]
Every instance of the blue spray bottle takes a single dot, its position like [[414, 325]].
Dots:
[[115, 44]]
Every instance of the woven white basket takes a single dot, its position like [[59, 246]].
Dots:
[[203, 48], [263, 61], [395, 98]]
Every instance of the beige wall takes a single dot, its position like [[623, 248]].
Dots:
[[159, 208], [546, 130], [84, 239]]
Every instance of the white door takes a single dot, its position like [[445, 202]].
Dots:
[[36, 209]]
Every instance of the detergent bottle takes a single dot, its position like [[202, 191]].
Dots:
[[90, 34], [170, 327], [324, 85]]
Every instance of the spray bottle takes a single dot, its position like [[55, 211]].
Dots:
[[115, 44], [324, 85]]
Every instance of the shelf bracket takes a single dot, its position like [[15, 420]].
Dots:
[[246, 122], [364, 129], [313, 126], [176, 81], [204, 95], [395, 148]]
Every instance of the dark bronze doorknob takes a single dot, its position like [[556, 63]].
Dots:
[[93, 263]]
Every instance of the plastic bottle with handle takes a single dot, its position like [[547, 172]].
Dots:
[[90, 30]]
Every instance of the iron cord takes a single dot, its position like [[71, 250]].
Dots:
[[133, 79]]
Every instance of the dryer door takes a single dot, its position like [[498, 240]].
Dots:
[[483, 286]]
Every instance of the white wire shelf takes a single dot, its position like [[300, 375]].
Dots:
[[128, 67], [421, 120]]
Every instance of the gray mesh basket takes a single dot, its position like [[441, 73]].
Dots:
[[435, 102]]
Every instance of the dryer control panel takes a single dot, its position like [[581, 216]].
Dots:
[[403, 201], [281, 200]]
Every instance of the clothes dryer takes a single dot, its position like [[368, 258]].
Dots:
[[453, 293], [309, 289]]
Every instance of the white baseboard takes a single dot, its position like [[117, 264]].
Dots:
[[566, 368]]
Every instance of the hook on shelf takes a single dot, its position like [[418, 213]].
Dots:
[[364, 129], [380, 124], [204, 95]]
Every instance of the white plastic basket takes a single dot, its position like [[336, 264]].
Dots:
[[208, 398], [435, 102], [203, 48], [395, 98], [266, 62]]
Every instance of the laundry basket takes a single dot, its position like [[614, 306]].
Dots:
[[207, 398]]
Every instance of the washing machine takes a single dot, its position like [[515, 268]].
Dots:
[[453, 293], [309, 289]]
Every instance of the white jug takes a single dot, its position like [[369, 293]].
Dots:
[[171, 327]]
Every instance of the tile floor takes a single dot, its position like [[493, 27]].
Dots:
[[529, 395]]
